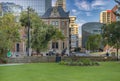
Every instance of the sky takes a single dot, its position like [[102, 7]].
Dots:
[[87, 10]]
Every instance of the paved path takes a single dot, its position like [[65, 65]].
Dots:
[[11, 64]]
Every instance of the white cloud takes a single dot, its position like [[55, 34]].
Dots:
[[87, 6], [88, 14], [82, 5], [74, 10], [98, 3]]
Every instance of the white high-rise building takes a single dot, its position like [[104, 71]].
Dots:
[[40, 6]]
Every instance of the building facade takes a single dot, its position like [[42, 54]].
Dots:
[[116, 10], [1, 13], [114, 18], [88, 29], [11, 8], [108, 16], [40, 6], [16, 7], [105, 16], [61, 3], [73, 33], [57, 17]]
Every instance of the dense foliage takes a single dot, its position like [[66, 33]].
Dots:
[[94, 42], [9, 33], [111, 34], [41, 33], [81, 62]]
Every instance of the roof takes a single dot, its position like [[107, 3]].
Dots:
[[55, 12]]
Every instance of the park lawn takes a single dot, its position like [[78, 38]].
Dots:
[[107, 71]]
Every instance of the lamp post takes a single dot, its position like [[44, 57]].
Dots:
[[28, 33]]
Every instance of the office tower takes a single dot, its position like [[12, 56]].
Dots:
[[61, 3], [40, 6], [1, 10], [73, 33], [11, 8], [88, 29]]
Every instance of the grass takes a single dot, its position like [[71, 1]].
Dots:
[[107, 71]]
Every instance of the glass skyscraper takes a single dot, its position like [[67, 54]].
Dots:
[[40, 6], [90, 28]]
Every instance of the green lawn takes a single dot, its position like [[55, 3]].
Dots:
[[107, 71]]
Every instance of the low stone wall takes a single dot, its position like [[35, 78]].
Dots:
[[36, 59], [31, 59]]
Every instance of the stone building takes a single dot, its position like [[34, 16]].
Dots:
[[59, 19]]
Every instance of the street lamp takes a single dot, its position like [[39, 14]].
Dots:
[[28, 33]]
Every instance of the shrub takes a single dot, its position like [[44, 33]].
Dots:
[[3, 61], [81, 62]]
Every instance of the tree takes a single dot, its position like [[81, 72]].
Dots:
[[94, 42], [9, 33], [41, 33], [111, 34]]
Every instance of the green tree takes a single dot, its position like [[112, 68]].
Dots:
[[94, 42], [41, 33], [111, 34], [9, 33]]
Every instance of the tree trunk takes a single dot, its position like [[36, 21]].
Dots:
[[117, 51]]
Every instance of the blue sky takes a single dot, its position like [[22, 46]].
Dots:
[[88, 10]]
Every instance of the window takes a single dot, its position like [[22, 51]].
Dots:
[[55, 45], [63, 45], [17, 47], [63, 23], [54, 23], [63, 32]]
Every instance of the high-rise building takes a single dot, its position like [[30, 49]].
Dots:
[[61, 3], [73, 33], [40, 6], [108, 16], [73, 25], [105, 17], [11, 8], [1, 13], [114, 18]]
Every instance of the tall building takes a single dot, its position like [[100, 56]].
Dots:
[[1, 13], [61, 3], [40, 6], [105, 17], [108, 16], [88, 29], [57, 17], [114, 18], [11, 8], [73, 33]]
